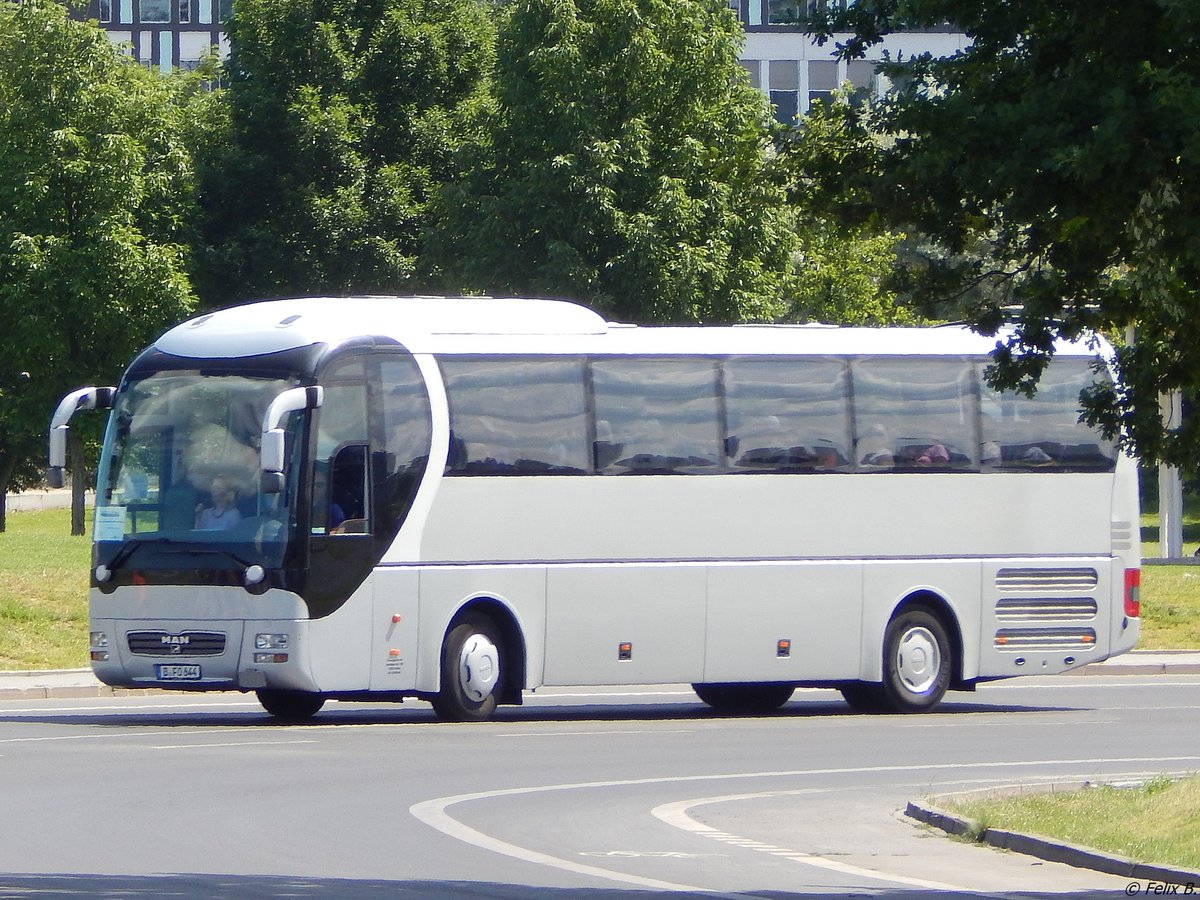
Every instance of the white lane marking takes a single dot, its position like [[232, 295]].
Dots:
[[676, 815], [226, 744], [594, 733], [434, 813]]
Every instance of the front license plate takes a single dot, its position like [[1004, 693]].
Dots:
[[175, 672]]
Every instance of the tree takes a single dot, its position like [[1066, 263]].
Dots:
[[625, 165], [94, 188], [339, 120], [1055, 164], [844, 255]]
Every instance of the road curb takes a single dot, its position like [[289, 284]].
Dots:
[[1048, 849]]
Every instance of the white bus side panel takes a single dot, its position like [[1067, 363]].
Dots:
[[396, 629], [444, 590], [659, 610], [340, 644], [886, 584], [756, 517], [752, 607]]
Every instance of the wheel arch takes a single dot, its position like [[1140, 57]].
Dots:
[[937, 605], [513, 670]]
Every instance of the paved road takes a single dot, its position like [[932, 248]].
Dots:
[[587, 793]]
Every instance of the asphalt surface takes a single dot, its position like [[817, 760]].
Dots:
[[81, 683]]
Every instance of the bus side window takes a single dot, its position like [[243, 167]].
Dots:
[[656, 416], [348, 491], [1043, 431], [340, 485], [787, 415]]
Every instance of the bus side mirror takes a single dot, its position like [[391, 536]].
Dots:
[[84, 398], [273, 449]]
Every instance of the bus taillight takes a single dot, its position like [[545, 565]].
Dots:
[[1133, 593]]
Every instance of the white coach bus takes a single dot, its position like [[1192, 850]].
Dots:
[[462, 499]]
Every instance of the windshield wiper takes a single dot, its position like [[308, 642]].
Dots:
[[213, 551], [129, 547]]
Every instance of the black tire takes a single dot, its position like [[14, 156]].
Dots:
[[918, 662], [473, 670], [290, 706], [865, 697], [745, 698]]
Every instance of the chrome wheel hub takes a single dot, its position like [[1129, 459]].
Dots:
[[478, 667], [918, 660]]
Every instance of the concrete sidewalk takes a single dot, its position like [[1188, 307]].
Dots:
[[76, 683], [27, 501]]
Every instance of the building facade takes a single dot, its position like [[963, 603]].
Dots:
[[780, 55], [785, 62], [164, 33]]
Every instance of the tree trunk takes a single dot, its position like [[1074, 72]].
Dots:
[[78, 468]]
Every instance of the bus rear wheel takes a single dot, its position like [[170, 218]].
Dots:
[[918, 661], [290, 706], [748, 698], [472, 671]]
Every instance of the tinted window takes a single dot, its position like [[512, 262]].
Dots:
[[340, 487], [914, 413], [1044, 431], [656, 416], [787, 415], [406, 436], [516, 416]]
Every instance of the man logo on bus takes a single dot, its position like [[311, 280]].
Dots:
[[175, 642]]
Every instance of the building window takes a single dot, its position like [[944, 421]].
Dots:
[[154, 11], [822, 80], [751, 67], [786, 12], [105, 11], [185, 11], [783, 76]]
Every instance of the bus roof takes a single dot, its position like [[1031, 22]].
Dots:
[[486, 325]]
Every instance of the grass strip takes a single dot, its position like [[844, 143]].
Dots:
[[1155, 822], [43, 592]]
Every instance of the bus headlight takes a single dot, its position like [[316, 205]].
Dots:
[[270, 642], [98, 643]]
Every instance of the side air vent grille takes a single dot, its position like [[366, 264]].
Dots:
[[186, 643], [1050, 639], [1014, 580], [1058, 609]]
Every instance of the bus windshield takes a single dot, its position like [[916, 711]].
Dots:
[[181, 466]]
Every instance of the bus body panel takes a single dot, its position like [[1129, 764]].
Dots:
[[592, 612], [753, 517], [815, 606], [396, 629], [446, 590], [887, 584], [340, 643]]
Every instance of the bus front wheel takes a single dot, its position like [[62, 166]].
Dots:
[[918, 661], [472, 669], [290, 706], [748, 698]]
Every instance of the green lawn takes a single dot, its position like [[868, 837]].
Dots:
[[43, 592], [1156, 822]]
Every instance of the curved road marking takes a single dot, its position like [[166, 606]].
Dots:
[[676, 815], [434, 813]]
